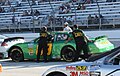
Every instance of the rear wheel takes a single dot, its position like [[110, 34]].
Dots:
[[16, 55], [68, 54]]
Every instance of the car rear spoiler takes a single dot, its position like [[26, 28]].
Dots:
[[12, 38]]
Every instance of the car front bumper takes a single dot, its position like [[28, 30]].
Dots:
[[3, 52]]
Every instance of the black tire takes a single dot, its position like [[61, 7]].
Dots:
[[59, 74], [68, 54], [56, 74], [16, 55]]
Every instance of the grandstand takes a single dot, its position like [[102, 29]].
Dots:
[[50, 16]]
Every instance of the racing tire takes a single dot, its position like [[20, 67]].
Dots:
[[59, 74], [68, 54], [16, 55], [56, 74]]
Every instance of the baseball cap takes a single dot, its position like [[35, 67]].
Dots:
[[66, 23]]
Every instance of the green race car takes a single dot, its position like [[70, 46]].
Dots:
[[57, 48]]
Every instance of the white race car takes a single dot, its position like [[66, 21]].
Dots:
[[7, 43], [105, 64]]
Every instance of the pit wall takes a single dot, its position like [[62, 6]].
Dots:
[[111, 34]]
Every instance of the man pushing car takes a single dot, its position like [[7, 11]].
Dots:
[[80, 41]]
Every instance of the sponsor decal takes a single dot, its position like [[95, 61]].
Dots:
[[30, 51], [80, 73], [104, 42], [70, 68], [94, 73], [94, 67], [81, 68], [77, 68], [78, 34]]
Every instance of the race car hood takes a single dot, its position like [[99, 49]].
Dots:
[[78, 63], [81, 65]]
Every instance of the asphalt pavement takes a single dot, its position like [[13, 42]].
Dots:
[[26, 68], [31, 68]]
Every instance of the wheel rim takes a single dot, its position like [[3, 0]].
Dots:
[[16, 55], [68, 55]]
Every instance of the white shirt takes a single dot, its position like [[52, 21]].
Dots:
[[68, 29], [18, 19]]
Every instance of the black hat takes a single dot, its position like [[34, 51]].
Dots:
[[75, 26], [44, 28]]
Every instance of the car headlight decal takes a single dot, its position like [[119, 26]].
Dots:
[[94, 73]]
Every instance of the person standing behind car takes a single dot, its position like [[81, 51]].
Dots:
[[80, 41], [42, 44], [67, 28]]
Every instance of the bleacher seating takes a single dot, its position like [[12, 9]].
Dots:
[[26, 21], [109, 10]]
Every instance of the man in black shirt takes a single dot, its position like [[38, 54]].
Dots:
[[42, 44], [80, 41]]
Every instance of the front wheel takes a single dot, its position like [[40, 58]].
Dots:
[[68, 54], [16, 55], [56, 74], [59, 75]]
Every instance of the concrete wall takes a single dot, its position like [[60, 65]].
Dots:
[[109, 33], [112, 34]]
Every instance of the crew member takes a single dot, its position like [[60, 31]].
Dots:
[[81, 42], [67, 28], [42, 44]]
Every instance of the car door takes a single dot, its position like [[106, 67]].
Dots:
[[59, 42], [31, 46], [114, 73], [49, 47], [109, 70], [115, 67], [111, 65]]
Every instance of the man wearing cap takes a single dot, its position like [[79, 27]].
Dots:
[[67, 28], [42, 44], [80, 41]]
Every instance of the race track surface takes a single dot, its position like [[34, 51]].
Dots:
[[31, 68]]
